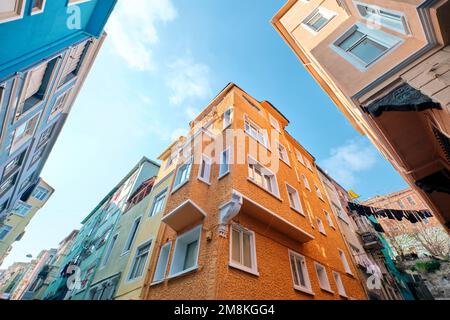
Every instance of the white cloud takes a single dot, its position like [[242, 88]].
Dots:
[[132, 30], [346, 161], [188, 80]]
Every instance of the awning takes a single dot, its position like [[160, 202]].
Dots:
[[184, 215]]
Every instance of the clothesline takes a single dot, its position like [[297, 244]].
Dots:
[[412, 216]]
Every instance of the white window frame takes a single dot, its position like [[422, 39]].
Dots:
[[178, 247], [274, 123], [181, 183], [283, 154], [387, 40], [318, 192], [261, 134], [40, 193], [321, 226], [227, 153], [16, 14], [227, 123], [324, 282], [132, 235], [325, 13], [306, 182], [339, 284], [205, 166], [109, 250], [22, 209], [37, 10], [130, 277], [304, 270], [344, 260], [156, 201], [18, 141], [329, 219], [236, 264], [4, 228], [275, 191], [383, 17], [300, 157], [297, 206], [162, 264]]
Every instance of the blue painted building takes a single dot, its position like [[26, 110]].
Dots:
[[88, 249], [47, 49]]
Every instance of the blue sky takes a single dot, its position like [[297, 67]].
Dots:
[[161, 64]]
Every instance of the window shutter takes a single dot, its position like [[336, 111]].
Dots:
[[74, 60], [35, 81]]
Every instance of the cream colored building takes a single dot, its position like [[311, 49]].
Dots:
[[385, 64], [13, 227]]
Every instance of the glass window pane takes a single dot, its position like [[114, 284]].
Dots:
[[236, 247], [301, 272], [368, 50], [294, 270], [351, 40], [247, 252], [191, 255]]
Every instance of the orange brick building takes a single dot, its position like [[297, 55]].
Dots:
[[247, 216]]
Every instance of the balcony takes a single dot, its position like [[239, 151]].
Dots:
[[371, 241], [185, 215]]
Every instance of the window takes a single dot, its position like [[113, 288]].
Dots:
[[294, 199], [45, 136], [185, 255], [38, 155], [73, 63], [4, 231], [24, 132], [340, 213], [59, 105], [329, 219], [256, 132], [204, 171], [170, 160], [305, 181], [224, 163], [227, 118], [263, 177], [362, 46], [308, 164], [299, 157], [139, 261], [40, 193], [243, 249], [318, 19], [132, 234], [344, 261], [158, 203], [13, 164], [282, 153], [299, 272], [411, 200], [400, 204], [274, 123], [183, 174], [390, 19], [38, 6], [339, 284], [323, 277], [11, 10], [22, 209], [318, 192], [8, 183], [109, 249], [321, 226], [161, 265]]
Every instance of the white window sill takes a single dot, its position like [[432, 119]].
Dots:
[[259, 142], [223, 175], [304, 290], [286, 163], [155, 283], [262, 188], [183, 273], [327, 290], [243, 268], [298, 211], [204, 181], [178, 187]]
